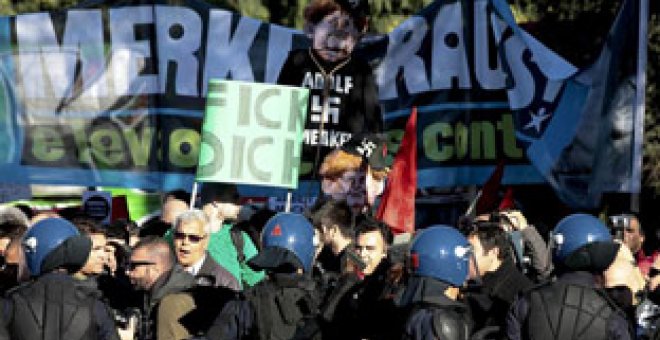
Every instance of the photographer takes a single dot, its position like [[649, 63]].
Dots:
[[530, 250], [626, 227]]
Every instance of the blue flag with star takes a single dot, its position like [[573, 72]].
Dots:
[[578, 129]]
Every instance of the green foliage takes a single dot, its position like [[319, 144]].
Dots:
[[11, 7], [652, 134]]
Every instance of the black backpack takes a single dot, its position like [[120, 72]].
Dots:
[[50, 310], [284, 312]]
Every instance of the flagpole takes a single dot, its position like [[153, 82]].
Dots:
[[287, 206], [193, 195], [639, 109]]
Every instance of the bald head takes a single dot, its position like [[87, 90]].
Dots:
[[172, 208], [151, 259], [158, 250]]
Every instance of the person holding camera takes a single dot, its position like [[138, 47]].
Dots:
[[498, 281], [530, 251], [628, 229]]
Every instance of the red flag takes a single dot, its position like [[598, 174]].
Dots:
[[489, 199], [119, 208], [397, 205], [507, 200]]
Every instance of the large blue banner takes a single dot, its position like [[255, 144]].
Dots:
[[120, 102]]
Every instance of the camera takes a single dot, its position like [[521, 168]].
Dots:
[[618, 224], [123, 317]]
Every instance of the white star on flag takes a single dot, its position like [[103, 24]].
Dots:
[[537, 119]]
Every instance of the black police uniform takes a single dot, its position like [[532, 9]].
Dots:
[[53, 307], [570, 308], [282, 306], [431, 314]]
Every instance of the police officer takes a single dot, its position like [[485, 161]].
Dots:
[[439, 257], [574, 306], [51, 305], [284, 305]]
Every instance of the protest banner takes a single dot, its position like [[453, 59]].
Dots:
[[252, 134], [12, 192], [121, 102]]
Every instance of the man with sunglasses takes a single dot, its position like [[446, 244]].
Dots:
[[154, 271], [191, 241]]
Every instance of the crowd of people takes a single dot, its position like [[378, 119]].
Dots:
[[226, 271]]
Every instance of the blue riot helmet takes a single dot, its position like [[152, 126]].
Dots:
[[443, 253], [583, 242], [292, 232], [52, 243]]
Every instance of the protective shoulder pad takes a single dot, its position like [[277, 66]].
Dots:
[[449, 325]]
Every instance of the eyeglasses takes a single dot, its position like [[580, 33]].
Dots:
[[653, 272], [192, 238], [130, 266]]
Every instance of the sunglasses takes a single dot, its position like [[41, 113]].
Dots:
[[653, 272], [192, 238], [130, 266]]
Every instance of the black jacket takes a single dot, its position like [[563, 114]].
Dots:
[[574, 305], [54, 307], [176, 281], [221, 277], [430, 314], [364, 308], [490, 301], [282, 306]]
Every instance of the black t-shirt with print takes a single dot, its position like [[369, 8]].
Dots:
[[352, 102]]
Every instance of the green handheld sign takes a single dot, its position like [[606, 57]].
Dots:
[[252, 134]]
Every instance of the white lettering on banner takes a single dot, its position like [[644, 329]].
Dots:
[[227, 56], [404, 43], [449, 60], [46, 69], [47, 63], [490, 79], [129, 55], [522, 93], [179, 47]]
